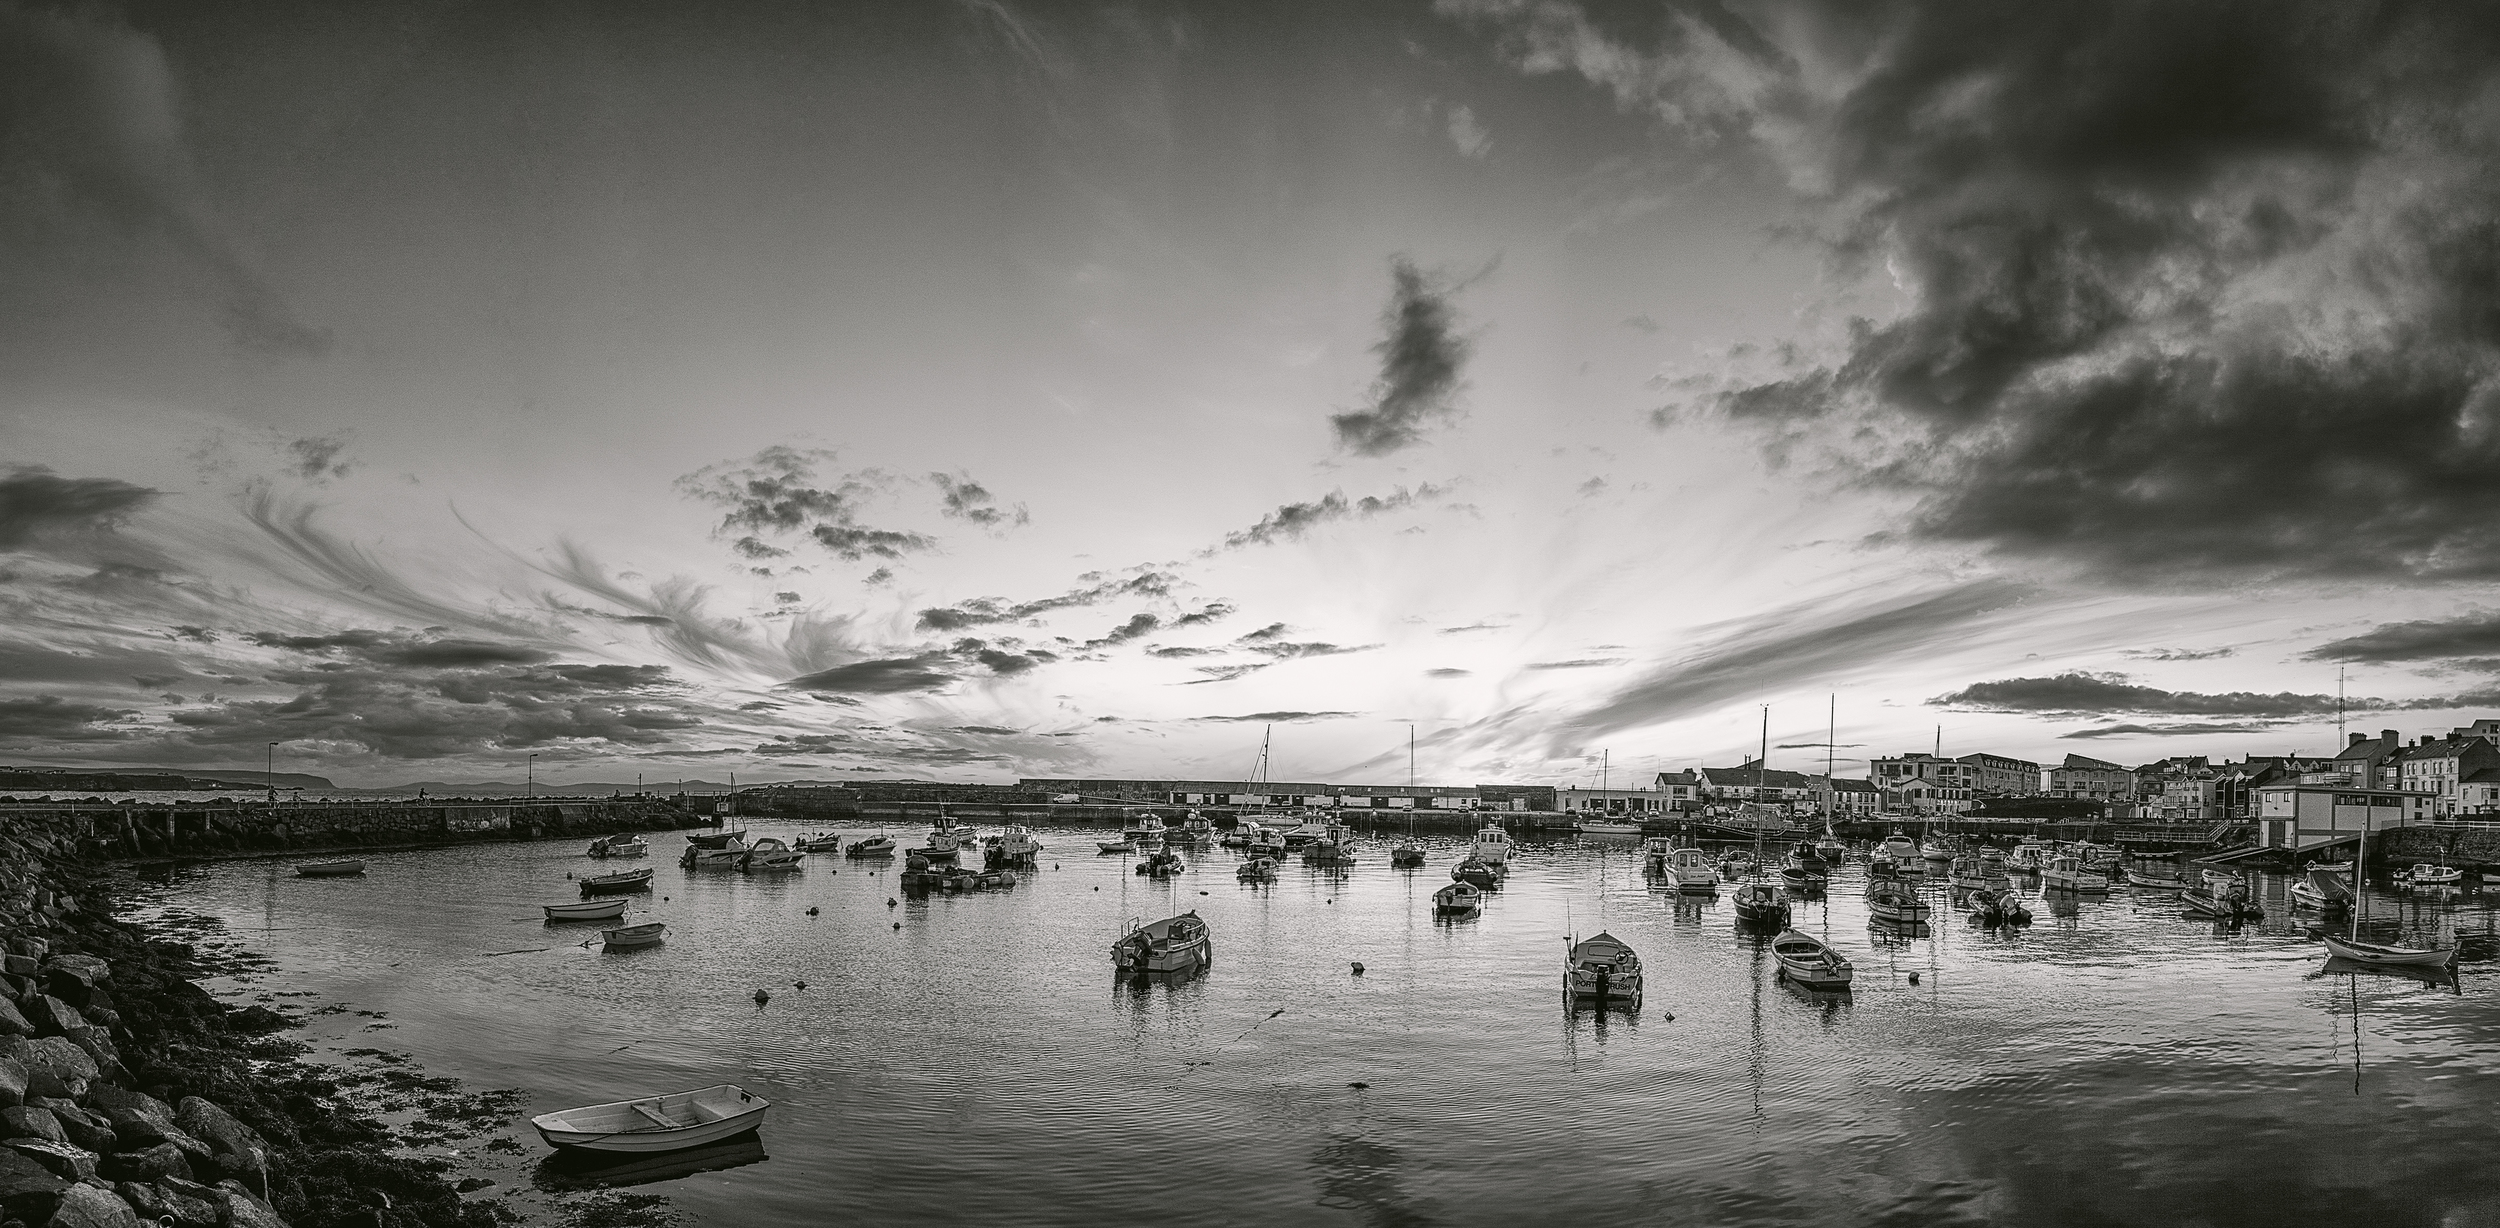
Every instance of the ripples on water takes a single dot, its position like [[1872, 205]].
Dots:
[[2115, 1062]]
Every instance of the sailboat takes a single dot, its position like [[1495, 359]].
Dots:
[[1606, 824], [1757, 902], [1829, 848], [2353, 948], [1408, 854]]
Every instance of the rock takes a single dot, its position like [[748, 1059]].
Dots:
[[160, 1202], [53, 1017], [97, 1044], [85, 1131], [87, 969], [28, 1190], [150, 1164], [24, 1122], [84, 1206], [14, 1022], [32, 948], [138, 1119], [54, 1066], [12, 1081], [238, 1147], [244, 1211], [60, 1159], [20, 965]]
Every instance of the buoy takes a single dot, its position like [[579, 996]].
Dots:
[[811, 911], [798, 984], [889, 901], [1358, 1086], [898, 925], [1670, 1016], [1358, 967], [1914, 978], [1202, 893], [761, 997]]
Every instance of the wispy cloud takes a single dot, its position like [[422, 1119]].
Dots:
[[1094, 589], [1280, 718], [1290, 521], [2082, 694], [2167, 731]]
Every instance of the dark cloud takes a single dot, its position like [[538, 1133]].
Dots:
[[1096, 588], [1137, 626], [34, 502], [1226, 673], [2468, 635], [2163, 731], [1281, 718], [317, 458], [2186, 291], [882, 677], [964, 499], [49, 718], [987, 729], [1448, 673], [1291, 521], [2181, 654], [1212, 612], [777, 492], [1420, 361], [1287, 650], [2078, 694], [1779, 647], [401, 648]]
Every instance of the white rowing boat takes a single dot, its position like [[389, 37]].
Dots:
[[656, 1123], [643, 935], [586, 910]]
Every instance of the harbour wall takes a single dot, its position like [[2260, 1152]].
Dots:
[[125, 832], [2476, 847]]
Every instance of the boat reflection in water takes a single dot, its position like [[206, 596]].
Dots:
[[587, 1170], [2444, 977]]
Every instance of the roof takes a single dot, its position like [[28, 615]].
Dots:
[[2080, 763], [1854, 786], [1988, 759], [2485, 776], [1749, 776], [1678, 778]]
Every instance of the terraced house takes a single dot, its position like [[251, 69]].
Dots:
[[2442, 767], [1923, 783], [2091, 778], [2001, 775]]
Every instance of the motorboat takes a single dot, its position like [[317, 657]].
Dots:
[[2155, 876], [1311, 830], [619, 846], [728, 856], [1257, 870], [1482, 874], [1238, 837], [1735, 864], [1195, 826], [1014, 845], [1810, 962], [2341, 869], [770, 853], [1831, 850], [586, 910], [716, 839], [1142, 829], [1693, 871], [1266, 841], [947, 843], [1890, 899], [647, 934], [1491, 845], [622, 880], [2427, 875], [1406, 856], [2066, 873], [674, 1122], [1174, 944], [2322, 890], [873, 846], [1608, 827], [1328, 852], [1880, 866], [2223, 902], [1458, 901], [1602, 971], [1899, 847], [1995, 906], [1162, 863], [1967, 874], [2027, 858], [1759, 903], [329, 869], [1656, 850], [819, 842]]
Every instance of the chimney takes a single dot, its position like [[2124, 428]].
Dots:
[[2358, 739], [2392, 739]]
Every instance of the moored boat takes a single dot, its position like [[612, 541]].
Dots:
[[2155, 876], [716, 839], [1406, 856], [2322, 890], [728, 856], [1602, 971], [648, 933], [1899, 847], [1162, 863], [769, 853], [2066, 873], [1174, 944], [330, 869], [2390, 953], [1142, 829], [873, 846], [1331, 851], [1196, 826], [1966, 874], [819, 842], [1995, 906], [1121, 845], [2426, 875], [1758, 903], [1014, 845], [586, 910], [1458, 900], [2225, 902], [1492, 845], [1257, 870], [1693, 872], [1608, 827], [619, 846], [622, 880], [1890, 899], [1810, 962], [1482, 874], [673, 1122]]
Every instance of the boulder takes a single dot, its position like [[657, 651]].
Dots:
[[54, 1065], [20, 965], [13, 1022], [12, 1081], [84, 1130], [27, 1190], [160, 1202], [141, 1120], [25, 1122], [97, 1044], [85, 969], [245, 1211], [32, 948], [84, 1206], [62, 1160], [150, 1164], [51, 1016], [238, 1147]]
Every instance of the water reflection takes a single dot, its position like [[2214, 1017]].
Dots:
[[1361, 1175], [584, 1170]]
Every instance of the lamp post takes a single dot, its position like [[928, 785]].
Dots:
[[268, 771], [529, 791]]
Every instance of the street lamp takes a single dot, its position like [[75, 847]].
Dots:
[[530, 791], [268, 771]]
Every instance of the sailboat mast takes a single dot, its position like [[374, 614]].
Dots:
[[1831, 732]]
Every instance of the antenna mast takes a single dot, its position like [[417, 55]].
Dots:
[[2339, 709]]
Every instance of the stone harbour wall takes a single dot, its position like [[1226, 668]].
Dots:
[[2462, 846], [127, 832]]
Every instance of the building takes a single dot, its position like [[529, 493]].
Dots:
[[2001, 776], [1516, 797], [1923, 784], [1681, 789], [1751, 782], [2089, 778], [2478, 796], [2440, 766], [1855, 797], [1630, 803], [2364, 760], [2301, 817]]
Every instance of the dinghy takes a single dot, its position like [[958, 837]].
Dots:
[[623, 880], [619, 846], [1257, 870], [873, 846], [1604, 972], [1758, 904], [2389, 953], [1458, 901], [1475, 873], [819, 842], [655, 1123], [2224, 903], [1992, 907], [1174, 944], [329, 869], [1810, 962], [647, 934], [586, 910]]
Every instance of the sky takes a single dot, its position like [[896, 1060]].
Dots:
[[975, 389]]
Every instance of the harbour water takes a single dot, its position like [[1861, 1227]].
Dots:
[[2113, 1063]]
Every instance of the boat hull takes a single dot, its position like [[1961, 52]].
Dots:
[[633, 880], [619, 1129], [2384, 954], [587, 910], [330, 869], [634, 936]]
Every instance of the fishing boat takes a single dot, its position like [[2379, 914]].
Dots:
[[1735, 864], [2321, 890], [1654, 854], [1257, 870], [622, 880], [1406, 856], [1693, 871], [1890, 899], [1481, 874], [586, 910], [1880, 866], [2065, 873], [1940, 849], [1758, 903], [1014, 845], [1162, 863], [1458, 901], [1266, 841], [1899, 847], [2427, 875], [1491, 845], [1802, 880], [1174, 944], [873, 846], [1966, 874], [2155, 876], [1238, 837], [2027, 858], [329, 869], [1332, 851], [819, 842], [769, 853], [1810, 962], [647, 934], [716, 839], [1994, 906], [728, 856], [2223, 902], [1194, 826], [673, 1122], [2383, 954], [1145, 829], [619, 846], [1829, 848], [947, 842], [1602, 971]]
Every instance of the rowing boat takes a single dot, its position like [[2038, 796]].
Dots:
[[586, 910], [329, 869], [623, 880], [1810, 962], [646, 934], [655, 1123]]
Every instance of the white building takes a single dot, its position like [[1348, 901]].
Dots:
[[2302, 816]]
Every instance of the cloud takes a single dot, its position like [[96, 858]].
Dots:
[[1474, 627], [2164, 731], [317, 458], [35, 504], [49, 718], [1144, 582], [1280, 718], [93, 113], [776, 492], [1212, 612], [1593, 487], [2075, 694], [965, 499], [1420, 362], [889, 676], [2475, 634], [401, 648], [1778, 647], [987, 729], [2181, 654], [1140, 625], [1290, 521], [2183, 292], [1582, 663], [1448, 672], [1468, 133], [1227, 673]]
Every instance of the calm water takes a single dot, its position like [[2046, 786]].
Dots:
[[2113, 1063]]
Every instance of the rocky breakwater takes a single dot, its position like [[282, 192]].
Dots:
[[128, 1093], [131, 831]]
